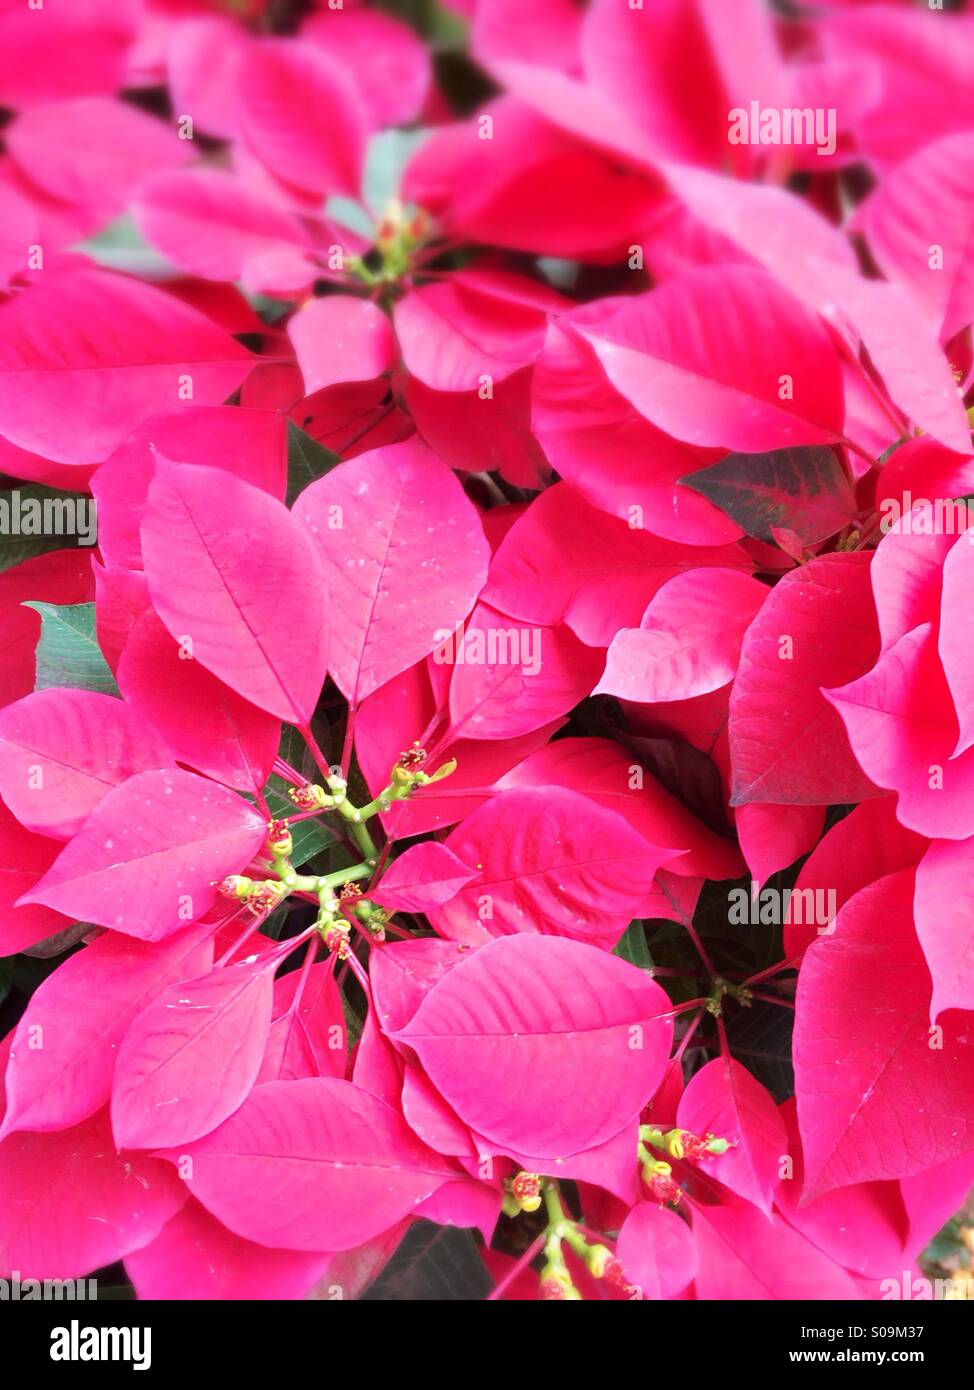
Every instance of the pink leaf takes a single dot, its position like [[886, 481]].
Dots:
[[694, 360], [212, 223], [70, 1204], [573, 869], [773, 837], [378, 1066], [385, 56], [724, 1099], [454, 334], [746, 1257], [816, 629], [60, 1074], [510, 677], [338, 339], [864, 1227], [429, 1116], [93, 152], [205, 723], [87, 356], [145, 860], [945, 923], [536, 188], [403, 565], [867, 844], [903, 729], [918, 62], [605, 772], [252, 444], [427, 875], [204, 58], [196, 1258], [404, 972], [566, 561], [317, 1164], [31, 66], [310, 1039], [465, 1203], [121, 596], [547, 1046], [928, 201], [907, 574], [657, 1251], [896, 1102], [303, 117], [955, 657], [61, 750], [904, 349], [192, 1056], [610, 453], [688, 641], [259, 627], [25, 858], [781, 232]]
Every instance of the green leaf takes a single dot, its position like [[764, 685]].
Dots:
[[433, 1264], [121, 246], [306, 461], [804, 490], [35, 519], [385, 159], [632, 946], [760, 1038], [68, 653]]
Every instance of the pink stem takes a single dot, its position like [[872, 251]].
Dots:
[[533, 1249]]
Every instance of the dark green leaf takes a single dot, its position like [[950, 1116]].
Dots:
[[433, 1264], [804, 490], [68, 653], [306, 461], [760, 1038], [632, 946]]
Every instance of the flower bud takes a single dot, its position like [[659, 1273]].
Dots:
[[598, 1259], [556, 1283], [337, 940], [279, 837], [526, 1191], [615, 1276], [673, 1142], [236, 886], [265, 896], [658, 1179], [310, 797]]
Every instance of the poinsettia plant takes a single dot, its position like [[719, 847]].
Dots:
[[493, 817]]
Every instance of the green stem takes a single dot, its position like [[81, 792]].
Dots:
[[324, 882]]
